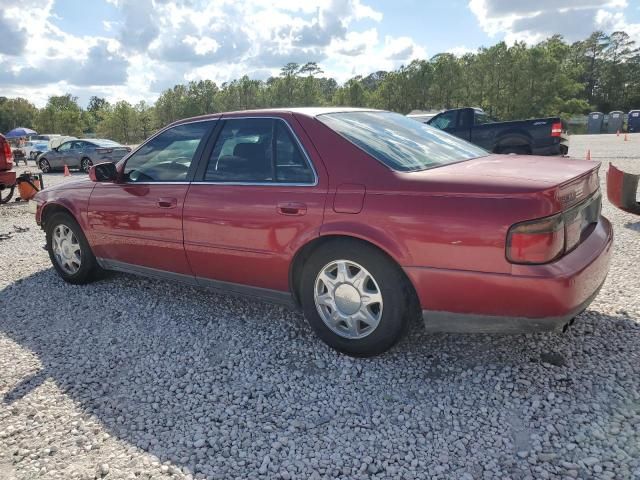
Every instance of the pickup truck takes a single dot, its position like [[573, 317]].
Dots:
[[540, 136]]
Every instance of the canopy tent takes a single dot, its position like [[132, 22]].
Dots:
[[20, 132]]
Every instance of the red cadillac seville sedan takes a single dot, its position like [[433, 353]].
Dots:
[[362, 218]]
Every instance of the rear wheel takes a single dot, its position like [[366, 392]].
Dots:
[[69, 250], [6, 193], [85, 164], [355, 298], [44, 165], [514, 151]]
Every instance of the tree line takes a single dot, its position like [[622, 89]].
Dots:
[[552, 77]]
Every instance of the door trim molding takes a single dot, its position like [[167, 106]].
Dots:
[[238, 289], [125, 267]]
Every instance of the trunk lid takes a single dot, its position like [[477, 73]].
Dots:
[[569, 181]]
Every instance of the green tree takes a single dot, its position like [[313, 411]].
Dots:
[[16, 112]]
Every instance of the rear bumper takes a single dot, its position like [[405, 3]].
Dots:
[[531, 298]]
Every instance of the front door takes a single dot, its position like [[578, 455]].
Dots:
[[257, 200], [137, 222], [58, 158]]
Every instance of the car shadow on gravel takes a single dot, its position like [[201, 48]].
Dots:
[[181, 372]]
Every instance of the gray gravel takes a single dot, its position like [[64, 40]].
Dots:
[[135, 378]]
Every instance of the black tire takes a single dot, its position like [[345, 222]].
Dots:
[[6, 193], [89, 268], [44, 165], [393, 285], [85, 164], [514, 151]]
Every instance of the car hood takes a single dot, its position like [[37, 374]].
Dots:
[[500, 174]]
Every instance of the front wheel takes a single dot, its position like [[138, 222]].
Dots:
[[355, 298], [44, 165], [85, 165], [69, 250]]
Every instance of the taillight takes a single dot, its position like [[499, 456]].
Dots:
[[6, 156], [536, 241], [556, 129]]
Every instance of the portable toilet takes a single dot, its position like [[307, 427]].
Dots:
[[633, 122], [616, 120], [594, 124]]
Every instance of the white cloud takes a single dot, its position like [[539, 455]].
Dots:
[[460, 50], [532, 21], [155, 44]]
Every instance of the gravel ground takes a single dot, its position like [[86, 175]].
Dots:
[[135, 378]]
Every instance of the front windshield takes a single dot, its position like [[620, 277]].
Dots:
[[399, 142]]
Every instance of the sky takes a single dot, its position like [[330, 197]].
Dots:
[[133, 49]]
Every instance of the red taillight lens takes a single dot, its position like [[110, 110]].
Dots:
[[7, 154], [537, 241], [556, 129]]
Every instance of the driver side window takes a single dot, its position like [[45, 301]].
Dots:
[[445, 120], [64, 147], [168, 156]]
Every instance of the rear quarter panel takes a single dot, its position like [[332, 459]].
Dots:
[[419, 222]]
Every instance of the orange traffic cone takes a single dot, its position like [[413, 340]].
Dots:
[[625, 138], [66, 171], [588, 154]]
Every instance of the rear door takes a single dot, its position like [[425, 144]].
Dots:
[[137, 223], [76, 152], [259, 196], [483, 132]]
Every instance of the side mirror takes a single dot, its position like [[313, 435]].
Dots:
[[103, 172]]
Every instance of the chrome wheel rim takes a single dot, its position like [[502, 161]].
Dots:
[[86, 164], [66, 249], [348, 299], [44, 166]]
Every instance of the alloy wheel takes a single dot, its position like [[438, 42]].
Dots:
[[348, 299], [66, 249], [86, 164]]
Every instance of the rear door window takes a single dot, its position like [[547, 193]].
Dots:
[[258, 150]]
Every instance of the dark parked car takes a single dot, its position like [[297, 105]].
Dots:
[[364, 219], [540, 136], [81, 154]]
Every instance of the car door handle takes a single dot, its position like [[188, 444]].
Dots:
[[292, 208], [165, 202]]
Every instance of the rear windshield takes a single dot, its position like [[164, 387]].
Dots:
[[105, 143], [399, 142]]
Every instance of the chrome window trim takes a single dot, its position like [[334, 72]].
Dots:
[[274, 183], [257, 184], [162, 130], [237, 184], [126, 158]]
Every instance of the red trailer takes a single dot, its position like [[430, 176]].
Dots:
[[28, 183], [7, 176]]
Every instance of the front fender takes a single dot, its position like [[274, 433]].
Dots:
[[75, 201]]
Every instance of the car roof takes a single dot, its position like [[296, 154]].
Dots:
[[306, 111]]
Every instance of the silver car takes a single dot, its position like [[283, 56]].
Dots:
[[81, 154]]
